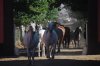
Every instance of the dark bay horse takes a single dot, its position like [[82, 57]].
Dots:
[[60, 30], [66, 39], [77, 36]]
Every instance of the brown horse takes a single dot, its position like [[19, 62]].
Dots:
[[66, 39], [60, 30]]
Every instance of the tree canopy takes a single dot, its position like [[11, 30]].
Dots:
[[33, 10], [41, 10]]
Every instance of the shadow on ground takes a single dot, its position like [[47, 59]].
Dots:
[[65, 52], [70, 53], [55, 62]]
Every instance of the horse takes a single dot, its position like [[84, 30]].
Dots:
[[72, 37], [50, 39], [28, 44], [33, 24], [66, 40], [37, 39], [77, 36], [60, 30], [41, 45]]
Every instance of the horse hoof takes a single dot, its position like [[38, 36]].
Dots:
[[58, 51], [52, 57], [48, 56]]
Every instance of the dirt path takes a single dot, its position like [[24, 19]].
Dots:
[[59, 61], [67, 57]]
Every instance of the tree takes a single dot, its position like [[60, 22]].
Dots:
[[34, 10], [52, 14], [39, 7], [20, 12]]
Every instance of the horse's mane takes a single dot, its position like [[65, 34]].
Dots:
[[56, 23]]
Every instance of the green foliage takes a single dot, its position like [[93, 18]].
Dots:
[[40, 7], [34, 10], [21, 19], [52, 14], [25, 19]]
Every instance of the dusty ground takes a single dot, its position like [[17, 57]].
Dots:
[[93, 60], [74, 54], [67, 57]]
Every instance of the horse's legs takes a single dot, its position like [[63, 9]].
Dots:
[[59, 44], [56, 46], [39, 49], [53, 50], [29, 55], [78, 43], [32, 55], [79, 40], [75, 43], [64, 43], [43, 50], [48, 51], [68, 41]]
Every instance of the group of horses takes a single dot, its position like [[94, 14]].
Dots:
[[48, 39]]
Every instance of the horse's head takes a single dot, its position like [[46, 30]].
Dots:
[[80, 28], [50, 26], [56, 24], [30, 28]]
